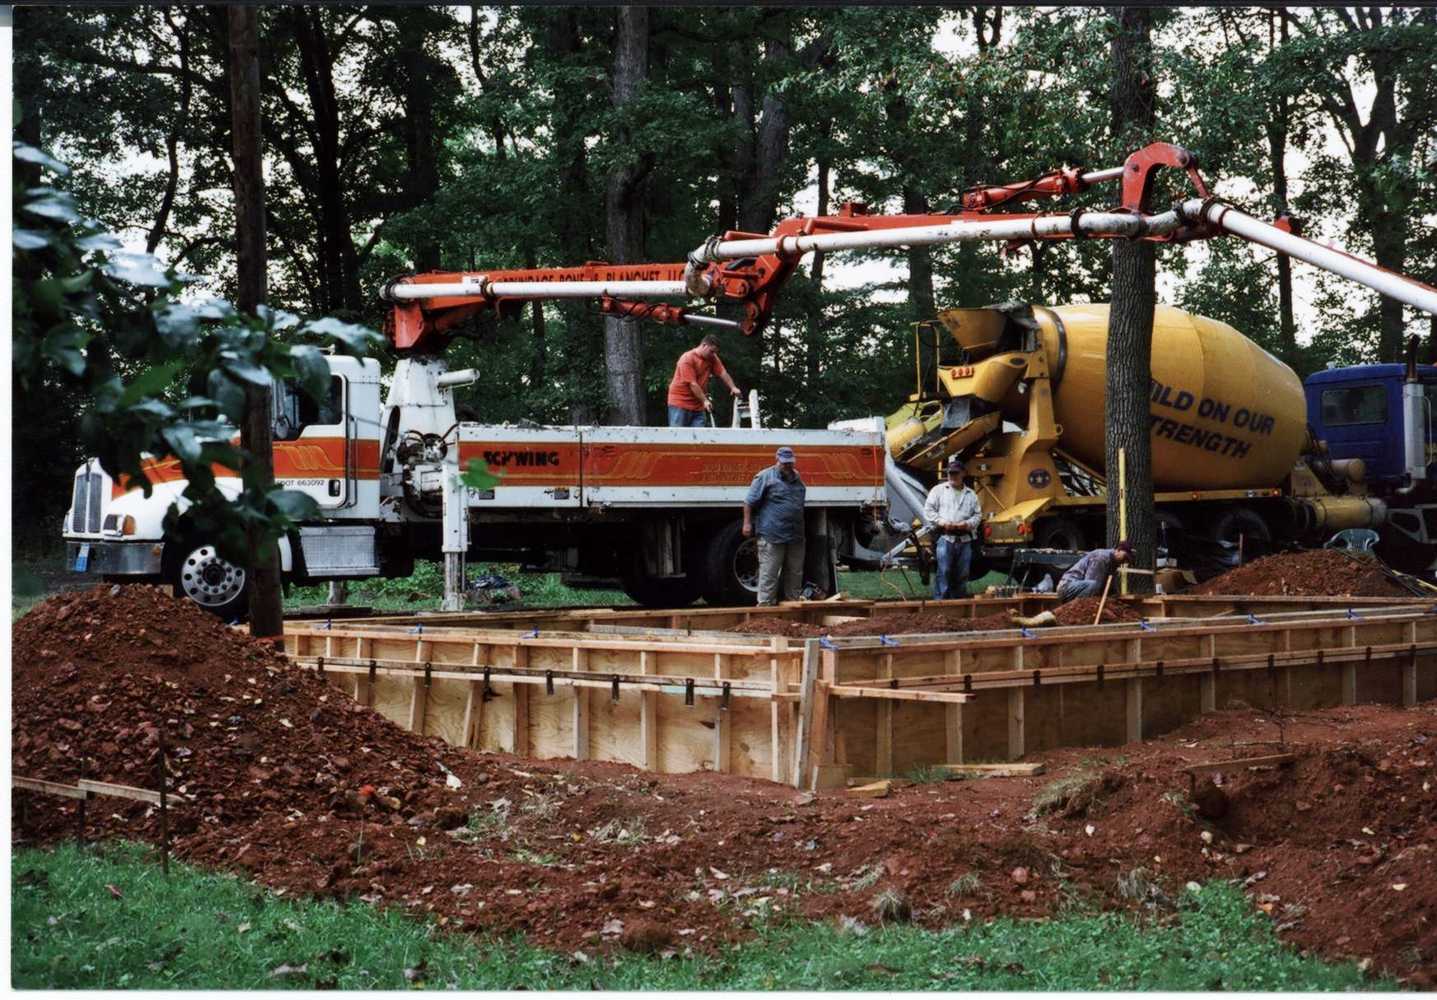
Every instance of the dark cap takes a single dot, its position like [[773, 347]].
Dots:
[[955, 464], [784, 454], [1125, 547]]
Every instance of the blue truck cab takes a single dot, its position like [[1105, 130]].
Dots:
[[1358, 412]]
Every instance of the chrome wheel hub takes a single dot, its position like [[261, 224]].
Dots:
[[208, 580]]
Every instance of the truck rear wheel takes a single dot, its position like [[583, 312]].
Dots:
[[212, 582], [1244, 527], [661, 592], [1061, 533], [730, 567]]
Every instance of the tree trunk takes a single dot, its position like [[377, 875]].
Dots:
[[1277, 148], [338, 262], [266, 616], [1130, 323], [624, 206], [420, 138]]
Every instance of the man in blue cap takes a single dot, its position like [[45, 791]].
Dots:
[[774, 509], [953, 512]]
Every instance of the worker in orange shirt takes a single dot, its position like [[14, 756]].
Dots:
[[688, 391]]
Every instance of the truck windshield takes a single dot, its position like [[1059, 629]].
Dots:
[[1354, 404]]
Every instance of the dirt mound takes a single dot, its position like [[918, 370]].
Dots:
[[97, 674], [767, 625], [1314, 573]]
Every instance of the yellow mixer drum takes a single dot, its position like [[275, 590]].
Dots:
[[1225, 413]]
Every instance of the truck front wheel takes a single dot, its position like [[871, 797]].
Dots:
[[214, 583]]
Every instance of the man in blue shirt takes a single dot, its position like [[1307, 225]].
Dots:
[[1087, 576], [773, 509]]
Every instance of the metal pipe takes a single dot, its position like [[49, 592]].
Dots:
[[481, 286], [713, 321], [1098, 176], [1395, 286]]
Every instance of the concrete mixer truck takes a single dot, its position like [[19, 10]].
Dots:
[[1242, 453]]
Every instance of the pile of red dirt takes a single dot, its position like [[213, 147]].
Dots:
[[98, 674], [1313, 573], [773, 625], [1337, 847]]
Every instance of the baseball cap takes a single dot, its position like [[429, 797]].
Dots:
[[1124, 546], [955, 465], [784, 454]]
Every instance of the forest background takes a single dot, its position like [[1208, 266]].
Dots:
[[456, 138]]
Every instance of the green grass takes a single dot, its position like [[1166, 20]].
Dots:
[[204, 930], [38, 576]]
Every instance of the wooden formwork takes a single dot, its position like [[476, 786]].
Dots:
[[705, 619], [674, 699]]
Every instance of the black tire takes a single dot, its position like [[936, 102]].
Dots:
[[661, 592], [1404, 555], [215, 584], [1061, 532], [730, 567], [1170, 534], [1248, 525]]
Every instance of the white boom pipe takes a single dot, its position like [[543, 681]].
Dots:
[[539, 289], [1395, 286], [1089, 223], [713, 321]]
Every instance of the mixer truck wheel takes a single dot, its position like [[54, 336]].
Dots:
[[1061, 533], [1248, 525], [1404, 555]]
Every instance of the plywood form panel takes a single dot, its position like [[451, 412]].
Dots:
[[686, 734], [1093, 714], [444, 716], [919, 736]]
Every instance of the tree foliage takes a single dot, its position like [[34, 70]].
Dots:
[[406, 139]]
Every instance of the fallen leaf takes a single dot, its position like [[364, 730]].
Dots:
[[115, 891], [242, 929], [1399, 886], [282, 971], [285, 723], [721, 876]]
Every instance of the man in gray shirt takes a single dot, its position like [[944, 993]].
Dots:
[[1086, 577], [774, 509]]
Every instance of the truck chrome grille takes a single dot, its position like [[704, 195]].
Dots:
[[87, 502]]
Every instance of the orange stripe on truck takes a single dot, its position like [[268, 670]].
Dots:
[[307, 458]]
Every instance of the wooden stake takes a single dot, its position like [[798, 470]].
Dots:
[[1099, 616], [1122, 516], [164, 807]]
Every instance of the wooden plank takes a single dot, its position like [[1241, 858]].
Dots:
[[649, 716], [884, 714], [884, 694], [120, 791], [1409, 681], [1011, 770], [473, 709], [1241, 763], [872, 790], [953, 714], [827, 777], [723, 722], [520, 743], [580, 661], [1017, 737], [1349, 684], [51, 787], [1207, 693], [1133, 731], [803, 738], [777, 710]]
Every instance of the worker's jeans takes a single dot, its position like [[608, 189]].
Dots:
[[955, 558], [680, 417], [1078, 588], [779, 561]]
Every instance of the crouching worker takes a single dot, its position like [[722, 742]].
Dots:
[[952, 510], [1087, 576], [774, 509]]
